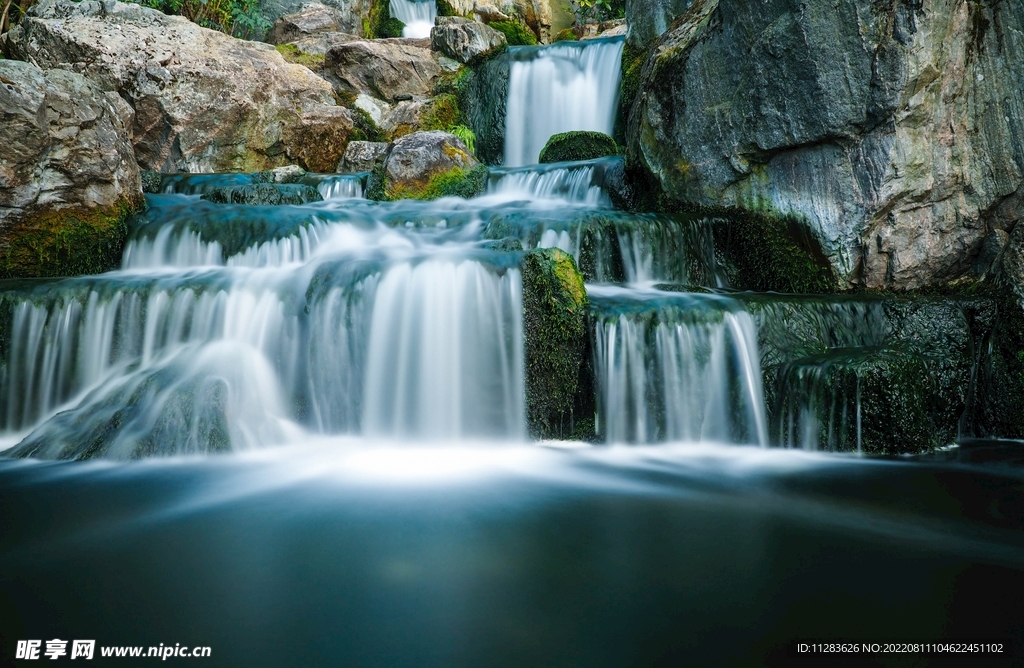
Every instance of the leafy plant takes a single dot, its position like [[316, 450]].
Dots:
[[467, 136], [595, 11], [12, 11], [240, 18]]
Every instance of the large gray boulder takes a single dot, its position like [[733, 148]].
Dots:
[[649, 19], [385, 69], [68, 178], [891, 129], [428, 165], [203, 101], [313, 18], [464, 40], [349, 14], [544, 17]]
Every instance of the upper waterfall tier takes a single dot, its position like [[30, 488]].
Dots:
[[418, 17], [559, 88]]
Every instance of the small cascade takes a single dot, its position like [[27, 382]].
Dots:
[[577, 182], [343, 186], [559, 88], [681, 367], [418, 17]]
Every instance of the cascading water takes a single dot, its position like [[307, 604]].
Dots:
[[559, 88], [676, 368], [418, 16]]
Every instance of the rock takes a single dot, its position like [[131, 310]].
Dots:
[[429, 165], [889, 130], [516, 32], [555, 328], [543, 17], [649, 19], [312, 19], [203, 101], [319, 45], [346, 14], [151, 182], [362, 156], [264, 194], [577, 145], [383, 69], [438, 113], [464, 40], [68, 178], [287, 174]]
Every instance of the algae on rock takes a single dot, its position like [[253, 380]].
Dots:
[[577, 145], [556, 340]]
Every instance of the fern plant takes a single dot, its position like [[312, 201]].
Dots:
[[467, 136]]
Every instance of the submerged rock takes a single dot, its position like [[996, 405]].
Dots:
[[68, 178], [464, 40], [887, 128], [578, 145], [264, 194], [203, 101], [556, 344], [429, 165], [362, 156]]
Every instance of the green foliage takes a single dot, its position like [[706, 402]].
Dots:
[[555, 327], [516, 32], [442, 114], [467, 136], [595, 11], [240, 18], [12, 12], [445, 9], [577, 145], [379, 24], [292, 54]]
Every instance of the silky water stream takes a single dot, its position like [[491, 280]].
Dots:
[[305, 443]]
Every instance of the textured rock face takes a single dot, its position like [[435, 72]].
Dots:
[[362, 156], [464, 40], [417, 163], [893, 129], [312, 19], [544, 17], [67, 174], [384, 69], [649, 19], [203, 101], [348, 13]]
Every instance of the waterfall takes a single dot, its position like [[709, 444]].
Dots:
[[558, 88], [345, 186], [579, 183], [676, 368], [418, 17]]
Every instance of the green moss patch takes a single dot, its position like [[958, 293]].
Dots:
[[379, 24], [578, 145], [516, 33], [567, 35], [453, 183], [292, 54], [68, 242], [554, 320]]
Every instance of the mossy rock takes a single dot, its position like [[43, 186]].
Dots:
[[556, 343], [455, 182], [567, 35], [442, 113], [578, 145], [151, 182], [516, 33], [292, 54], [66, 242], [264, 194]]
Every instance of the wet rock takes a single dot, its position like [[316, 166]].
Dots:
[[888, 129], [577, 145], [312, 19], [362, 156], [464, 40], [203, 101], [554, 323], [151, 182], [649, 19], [287, 174], [429, 165], [68, 178], [383, 69], [264, 194]]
